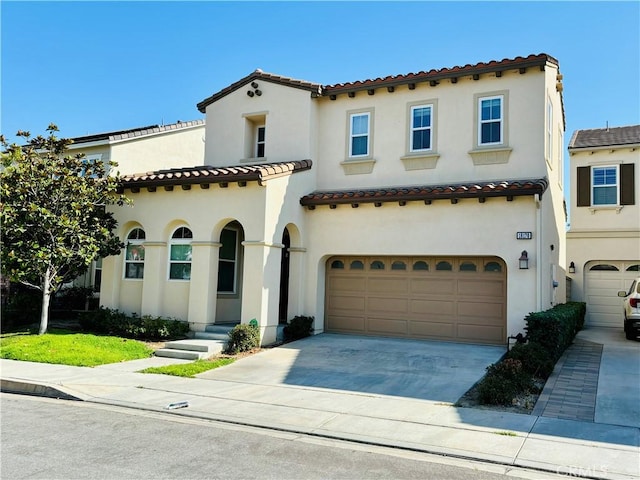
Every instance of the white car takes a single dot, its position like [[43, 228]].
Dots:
[[632, 310]]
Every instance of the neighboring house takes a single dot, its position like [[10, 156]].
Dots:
[[603, 243], [137, 150], [425, 205]]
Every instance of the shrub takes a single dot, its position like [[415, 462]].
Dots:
[[535, 359], [114, 322], [243, 338], [503, 381], [73, 298], [554, 329], [20, 307], [297, 328]]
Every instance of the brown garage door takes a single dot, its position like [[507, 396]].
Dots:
[[460, 299]]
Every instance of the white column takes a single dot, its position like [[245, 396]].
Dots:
[[261, 287], [155, 277], [204, 284]]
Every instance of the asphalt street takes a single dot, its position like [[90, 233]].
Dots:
[[57, 439]]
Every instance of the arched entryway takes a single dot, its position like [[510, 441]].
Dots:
[[230, 263]]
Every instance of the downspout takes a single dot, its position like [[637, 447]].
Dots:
[[536, 199]]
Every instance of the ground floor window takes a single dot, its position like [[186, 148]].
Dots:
[[228, 260]]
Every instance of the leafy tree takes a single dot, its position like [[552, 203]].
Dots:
[[53, 213]]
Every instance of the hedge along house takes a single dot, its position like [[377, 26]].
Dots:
[[425, 205]]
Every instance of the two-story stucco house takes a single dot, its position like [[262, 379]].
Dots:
[[136, 150], [425, 205], [603, 243]]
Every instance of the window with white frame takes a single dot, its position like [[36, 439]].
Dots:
[[359, 133], [180, 254], [490, 120], [228, 260], [421, 128], [260, 141], [134, 254], [604, 184]]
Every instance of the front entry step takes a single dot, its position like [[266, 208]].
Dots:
[[219, 331], [191, 349]]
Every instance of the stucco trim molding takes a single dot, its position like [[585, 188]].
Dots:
[[154, 244], [358, 167], [420, 162], [257, 243], [490, 156]]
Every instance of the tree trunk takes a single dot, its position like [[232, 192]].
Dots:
[[46, 298]]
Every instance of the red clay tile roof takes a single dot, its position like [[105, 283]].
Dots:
[[317, 89], [454, 191], [208, 174], [135, 132], [605, 137], [260, 75], [539, 60]]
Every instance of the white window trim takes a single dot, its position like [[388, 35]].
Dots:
[[481, 122], [352, 135], [593, 187], [412, 129], [178, 241], [126, 261]]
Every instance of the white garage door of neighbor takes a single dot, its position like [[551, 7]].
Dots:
[[603, 280], [454, 298]]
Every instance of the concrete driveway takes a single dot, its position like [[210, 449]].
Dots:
[[618, 397], [427, 370]]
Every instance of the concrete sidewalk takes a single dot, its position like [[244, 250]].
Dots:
[[569, 447]]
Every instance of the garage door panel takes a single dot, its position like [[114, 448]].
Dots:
[[432, 329], [347, 324], [481, 287], [388, 305], [347, 284], [482, 333], [482, 310], [389, 285], [388, 326], [432, 286], [438, 304], [428, 307], [347, 303]]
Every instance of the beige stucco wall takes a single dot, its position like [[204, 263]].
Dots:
[[290, 119], [439, 229], [455, 132], [168, 149], [602, 233], [262, 211]]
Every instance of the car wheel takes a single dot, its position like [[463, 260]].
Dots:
[[629, 334]]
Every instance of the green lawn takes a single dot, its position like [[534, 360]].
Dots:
[[190, 369], [66, 348]]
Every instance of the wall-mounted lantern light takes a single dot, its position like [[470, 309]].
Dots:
[[524, 260], [572, 267]]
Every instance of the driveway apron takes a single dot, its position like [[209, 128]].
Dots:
[[427, 370]]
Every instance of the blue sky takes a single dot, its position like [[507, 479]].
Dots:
[[93, 67]]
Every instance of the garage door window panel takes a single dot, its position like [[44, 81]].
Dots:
[[421, 266]]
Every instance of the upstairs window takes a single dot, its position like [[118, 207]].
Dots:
[[359, 134], [180, 254], [602, 186], [134, 254], [490, 121], [605, 185], [260, 141], [421, 128]]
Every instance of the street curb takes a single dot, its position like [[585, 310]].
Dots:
[[36, 389]]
